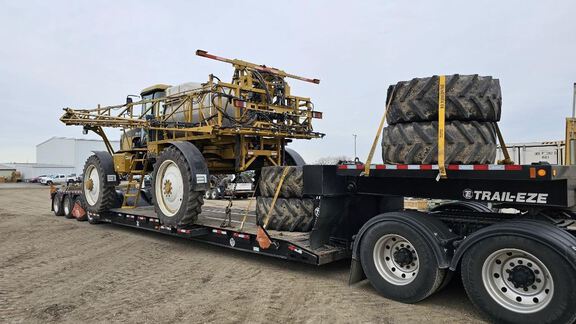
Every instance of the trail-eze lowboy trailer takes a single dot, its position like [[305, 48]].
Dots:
[[530, 204]]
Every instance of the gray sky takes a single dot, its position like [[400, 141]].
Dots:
[[55, 54]]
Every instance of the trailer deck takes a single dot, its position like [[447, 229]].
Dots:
[[211, 227]]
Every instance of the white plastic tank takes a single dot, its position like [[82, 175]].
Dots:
[[190, 111]]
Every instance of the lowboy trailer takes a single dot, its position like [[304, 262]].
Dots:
[[508, 229]]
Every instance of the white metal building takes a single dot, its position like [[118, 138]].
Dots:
[[33, 170], [533, 152], [69, 152]]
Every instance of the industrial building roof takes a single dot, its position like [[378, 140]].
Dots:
[[74, 139]]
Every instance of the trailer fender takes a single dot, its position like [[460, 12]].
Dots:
[[539, 231], [432, 230], [198, 167], [110, 176]]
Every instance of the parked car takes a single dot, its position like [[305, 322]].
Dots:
[[36, 179]]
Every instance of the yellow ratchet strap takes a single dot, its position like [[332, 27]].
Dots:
[[441, 126], [375, 143], [284, 173]]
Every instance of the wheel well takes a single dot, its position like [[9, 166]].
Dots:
[[539, 231], [432, 230]]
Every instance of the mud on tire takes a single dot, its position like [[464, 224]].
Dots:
[[416, 143], [468, 97], [293, 184], [294, 215]]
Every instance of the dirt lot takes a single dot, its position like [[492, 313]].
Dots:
[[58, 270]]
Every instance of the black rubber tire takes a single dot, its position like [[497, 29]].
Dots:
[[559, 310], [57, 205], [78, 200], [416, 143], [67, 205], [468, 97], [192, 201], [429, 277], [107, 198], [294, 215], [292, 187]]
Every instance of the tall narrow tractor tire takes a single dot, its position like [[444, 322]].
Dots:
[[294, 215], [292, 186], [175, 201], [468, 97], [417, 143], [99, 196]]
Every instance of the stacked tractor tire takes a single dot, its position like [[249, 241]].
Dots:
[[292, 211], [473, 106]]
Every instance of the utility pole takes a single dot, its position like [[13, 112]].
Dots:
[[355, 135]]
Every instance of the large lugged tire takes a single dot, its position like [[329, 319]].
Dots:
[[468, 97], [99, 196], [293, 184], [175, 201], [416, 143], [294, 215]]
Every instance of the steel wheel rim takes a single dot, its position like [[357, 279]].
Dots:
[[92, 185], [393, 269], [207, 194], [169, 188], [499, 274]]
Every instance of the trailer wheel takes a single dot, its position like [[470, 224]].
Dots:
[[67, 205], [57, 205], [175, 200], [207, 194], [399, 263], [515, 279], [214, 194]]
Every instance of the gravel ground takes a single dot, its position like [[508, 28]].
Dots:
[[58, 270]]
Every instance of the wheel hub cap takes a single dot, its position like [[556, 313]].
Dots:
[[403, 257], [522, 276], [90, 184]]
